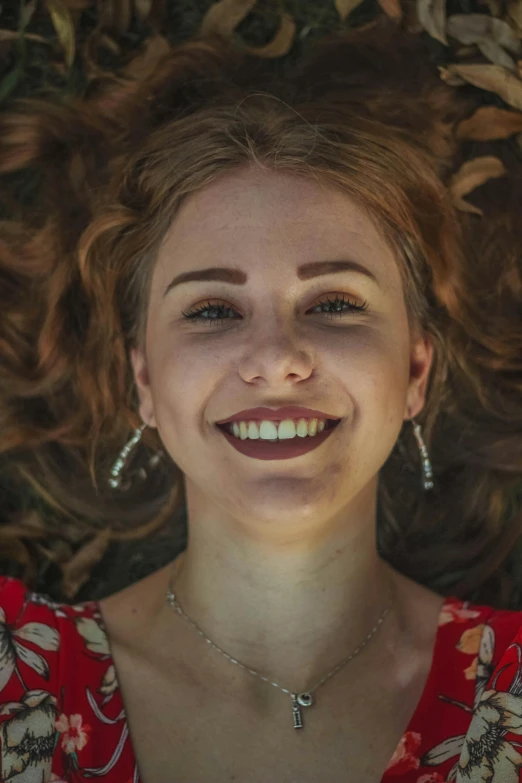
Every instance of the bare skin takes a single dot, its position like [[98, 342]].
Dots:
[[281, 568], [193, 715]]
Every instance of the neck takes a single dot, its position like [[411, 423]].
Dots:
[[292, 618]]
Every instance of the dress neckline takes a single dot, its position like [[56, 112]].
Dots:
[[420, 709], [428, 692]]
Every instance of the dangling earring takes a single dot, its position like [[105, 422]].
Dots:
[[426, 464], [115, 480]]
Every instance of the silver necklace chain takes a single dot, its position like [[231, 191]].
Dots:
[[298, 699]]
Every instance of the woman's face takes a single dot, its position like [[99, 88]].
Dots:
[[277, 347]]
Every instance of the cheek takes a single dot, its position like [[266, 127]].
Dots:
[[181, 384], [375, 372], [382, 359], [370, 366]]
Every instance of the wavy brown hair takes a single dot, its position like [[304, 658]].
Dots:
[[364, 111]]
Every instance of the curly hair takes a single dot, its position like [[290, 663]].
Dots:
[[114, 167]]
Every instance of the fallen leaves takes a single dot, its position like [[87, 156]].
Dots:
[[494, 78], [432, 18], [345, 7], [224, 16], [492, 37], [472, 174], [63, 23], [391, 8], [475, 28], [281, 42], [514, 12], [489, 123], [495, 36]]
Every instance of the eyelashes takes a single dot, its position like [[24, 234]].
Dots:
[[195, 314]]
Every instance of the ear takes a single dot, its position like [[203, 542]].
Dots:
[[421, 356], [141, 376]]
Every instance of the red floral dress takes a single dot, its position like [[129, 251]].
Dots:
[[62, 716]]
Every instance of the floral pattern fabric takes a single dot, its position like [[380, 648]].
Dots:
[[62, 717]]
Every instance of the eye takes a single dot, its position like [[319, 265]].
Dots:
[[340, 307]]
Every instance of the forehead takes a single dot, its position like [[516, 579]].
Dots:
[[255, 215]]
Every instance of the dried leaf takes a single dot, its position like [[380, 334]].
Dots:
[[472, 28], [224, 16], [450, 78], [432, 16], [491, 36], [464, 51], [471, 175], [109, 43], [27, 13], [496, 54], [63, 23], [78, 570], [514, 12], [391, 8], [282, 41], [345, 7], [495, 8], [493, 78], [13, 35], [489, 123], [154, 47]]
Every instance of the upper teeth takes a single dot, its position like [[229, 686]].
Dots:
[[269, 430]]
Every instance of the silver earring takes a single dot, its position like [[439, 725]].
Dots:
[[426, 464], [115, 480]]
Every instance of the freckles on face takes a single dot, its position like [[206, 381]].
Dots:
[[363, 376], [267, 225], [373, 368]]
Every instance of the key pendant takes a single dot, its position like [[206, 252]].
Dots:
[[304, 700]]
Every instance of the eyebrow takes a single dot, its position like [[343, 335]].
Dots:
[[238, 277]]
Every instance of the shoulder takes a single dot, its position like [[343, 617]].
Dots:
[[479, 634], [26, 616], [476, 691], [36, 630], [471, 638], [472, 688], [427, 610], [483, 623], [489, 638], [39, 635], [48, 655]]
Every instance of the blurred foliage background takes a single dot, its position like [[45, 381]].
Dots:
[[50, 46]]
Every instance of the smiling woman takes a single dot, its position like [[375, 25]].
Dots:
[[365, 345]]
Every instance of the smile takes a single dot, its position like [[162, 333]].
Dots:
[[287, 448]]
